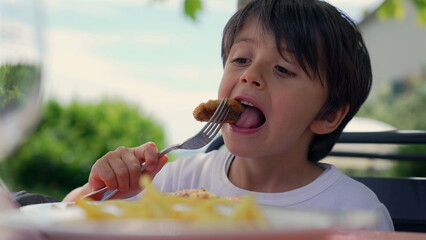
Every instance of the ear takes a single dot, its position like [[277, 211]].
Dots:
[[329, 123]]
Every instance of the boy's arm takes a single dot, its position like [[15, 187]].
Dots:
[[121, 169]]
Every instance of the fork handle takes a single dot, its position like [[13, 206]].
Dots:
[[168, 149]]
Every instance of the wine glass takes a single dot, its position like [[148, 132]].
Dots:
[[20, 77]]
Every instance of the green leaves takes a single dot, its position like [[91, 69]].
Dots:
[[391, 9], [421, 11], [58, 155], [16, 83], [192, 7], [396, 9]]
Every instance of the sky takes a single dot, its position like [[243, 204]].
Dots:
[[144, 52]]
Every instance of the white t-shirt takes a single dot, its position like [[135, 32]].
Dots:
[[332, 190]]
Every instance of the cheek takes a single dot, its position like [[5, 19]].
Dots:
[[225, 87], [297, 107]]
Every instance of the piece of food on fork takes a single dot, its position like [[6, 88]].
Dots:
[[204, 111]]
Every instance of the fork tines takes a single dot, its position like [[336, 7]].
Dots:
[[219, 116]]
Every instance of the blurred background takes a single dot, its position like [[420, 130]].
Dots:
[[124, 72]]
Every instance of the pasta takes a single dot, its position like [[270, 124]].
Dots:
[[200, 206]]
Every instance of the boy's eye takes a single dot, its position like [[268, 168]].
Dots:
[[283, 70], [240, 60]]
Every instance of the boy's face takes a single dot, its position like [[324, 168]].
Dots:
[[286, 101]]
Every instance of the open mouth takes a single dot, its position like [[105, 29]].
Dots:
[[252, 117]]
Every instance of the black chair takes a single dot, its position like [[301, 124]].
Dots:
[[405, 198]]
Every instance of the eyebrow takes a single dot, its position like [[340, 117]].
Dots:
[[243, 39]]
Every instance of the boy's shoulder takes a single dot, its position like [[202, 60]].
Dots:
[[346, 191], [332, 190]]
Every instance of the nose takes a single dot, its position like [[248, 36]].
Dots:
[[253, 77]]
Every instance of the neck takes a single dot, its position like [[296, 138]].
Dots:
[[272, 175]]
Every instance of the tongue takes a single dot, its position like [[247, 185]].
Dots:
[[250, 118]]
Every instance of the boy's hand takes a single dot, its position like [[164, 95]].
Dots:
[[121, 169]]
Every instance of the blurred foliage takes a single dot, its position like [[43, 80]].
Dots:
[[391, 9], [58, 155], [406, 111], [16, 80], [192, 8], [396, 9], [410, 169], [403, 111], [402, 105]]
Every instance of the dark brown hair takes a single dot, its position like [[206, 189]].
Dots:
[[323, 40]]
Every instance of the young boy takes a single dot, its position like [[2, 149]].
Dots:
[[302, 70]]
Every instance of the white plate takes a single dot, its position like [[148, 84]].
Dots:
[[60, 221]]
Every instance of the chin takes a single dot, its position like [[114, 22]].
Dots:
[[238, 149]]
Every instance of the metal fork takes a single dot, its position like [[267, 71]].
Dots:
[[199, 140]]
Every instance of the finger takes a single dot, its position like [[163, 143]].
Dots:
[[147, 153], [121, 174], [161, 162], [133, 164], [102, 174], [126, 167]]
